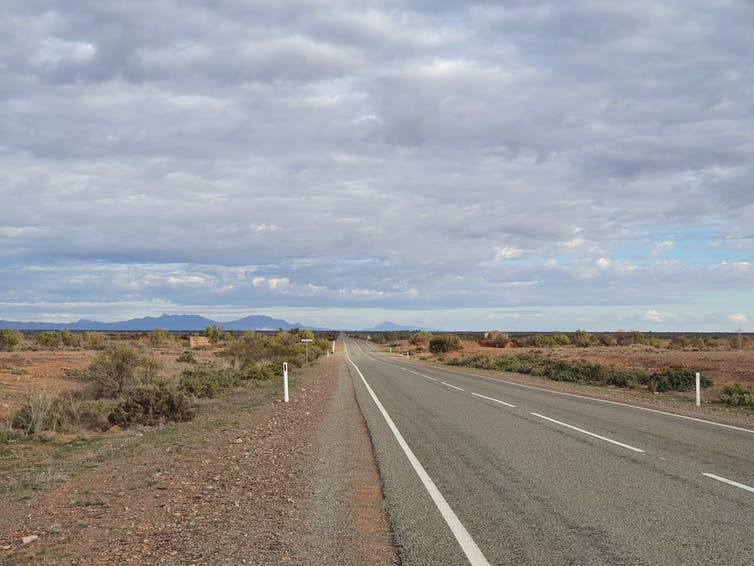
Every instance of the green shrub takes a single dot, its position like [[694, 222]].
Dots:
[[583, 339], [675, 379], [186, 357], [158, 337], [215, 333], [9, 339], [118, 369], [540, 341], [737, 395], [264, 372], [561, 340], [69, 339], [93, 340], [151, 405], [207, 382], [623, 378], [49, 339], [534, 363], [580, 372], [444, 343]]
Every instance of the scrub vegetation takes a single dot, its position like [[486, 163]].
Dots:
[[125, 384]]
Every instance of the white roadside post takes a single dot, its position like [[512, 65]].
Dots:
[[285, 381], [333, 346], [698, 389]]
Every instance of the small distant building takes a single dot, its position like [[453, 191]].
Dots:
[[198, 341]]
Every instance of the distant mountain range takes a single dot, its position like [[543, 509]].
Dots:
[[186, 322]]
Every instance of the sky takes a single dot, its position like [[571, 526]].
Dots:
[[513, 165]]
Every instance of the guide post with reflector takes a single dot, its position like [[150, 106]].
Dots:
[[285, 381]]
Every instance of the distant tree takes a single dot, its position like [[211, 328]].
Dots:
[[421, 339], [158, 337], [444, 343], [582, 339], [69, 339], [9, 339], [215, 333]]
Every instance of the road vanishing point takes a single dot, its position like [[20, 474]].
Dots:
[[477, 470]]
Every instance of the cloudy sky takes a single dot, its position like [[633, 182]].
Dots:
[[462, 165]]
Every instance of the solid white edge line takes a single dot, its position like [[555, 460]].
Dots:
[[610, 440], [729, 482], [451, 385], [469, 547], [493, 399]]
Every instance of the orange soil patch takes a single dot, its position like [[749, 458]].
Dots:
[[27, 373]]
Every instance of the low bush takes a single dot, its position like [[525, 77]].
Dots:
[[623, 378], [9, 339], [208, 382], [737, 395], [444, 343], [151, 405], [264, 372], [66, 411], [186, 357], [158, 337], [580, 371], [118, 369], [675, 379], [93, 340]]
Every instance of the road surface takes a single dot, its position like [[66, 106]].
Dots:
[[477, 470]]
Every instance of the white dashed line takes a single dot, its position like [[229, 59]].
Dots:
[[730, 482], [581, 430], [453, 386], [495, 400]]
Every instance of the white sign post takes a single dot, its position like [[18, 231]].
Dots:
[[333, 346], [698, 389], [307, 341], [285, 381]]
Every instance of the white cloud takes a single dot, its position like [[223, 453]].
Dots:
[[662, 247], [653, 316], [739, 318], [272, 283], [508, 252]]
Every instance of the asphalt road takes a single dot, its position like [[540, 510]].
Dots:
[[528, 476]]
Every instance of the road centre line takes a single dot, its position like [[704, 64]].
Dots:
[[432, 378], [471, 550], [628, 446], [729, 482], [493, 399], [453, 386]]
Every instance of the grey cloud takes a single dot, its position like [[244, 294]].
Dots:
[[373, 155]]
